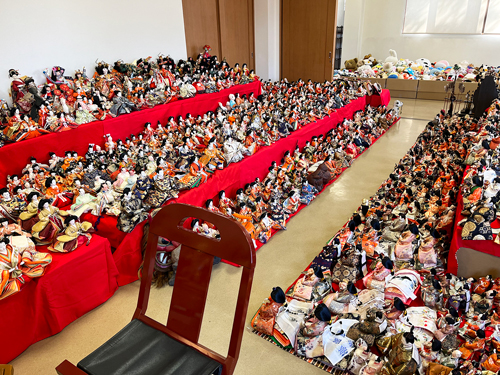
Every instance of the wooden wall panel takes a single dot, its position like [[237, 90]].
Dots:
[[237, 31], [201, 24], [307, 37]]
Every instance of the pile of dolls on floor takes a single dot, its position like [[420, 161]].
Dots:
[[422, 68], [65, 102], [481, 183], [377, 299], [128, 179]]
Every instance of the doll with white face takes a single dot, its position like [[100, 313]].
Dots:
[[50, 223], [75, 235]]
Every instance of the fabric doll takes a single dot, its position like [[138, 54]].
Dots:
[[309, 341], [265, 318]]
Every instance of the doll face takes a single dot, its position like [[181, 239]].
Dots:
[[46, 205], [81, 191], [143, 174], [6, 195], [3, 247], [105, 70], [72, 222]]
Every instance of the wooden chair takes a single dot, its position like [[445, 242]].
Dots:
[[146, 346]]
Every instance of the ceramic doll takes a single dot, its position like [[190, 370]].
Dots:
[[75, 235], [338, 302], [404, 247], [471, 347], [18, 268], [225, 203]]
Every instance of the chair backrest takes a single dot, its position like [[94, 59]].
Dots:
[[193, 275]]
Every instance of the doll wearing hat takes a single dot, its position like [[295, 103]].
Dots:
[[309, 341], [470, 347], [400, 350], [264, 320]]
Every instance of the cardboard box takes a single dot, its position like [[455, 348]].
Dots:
[[469, 86], [431, 95], [432, 86], [402, 84], [403, 94]]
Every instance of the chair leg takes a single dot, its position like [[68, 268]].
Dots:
[[67, 368]]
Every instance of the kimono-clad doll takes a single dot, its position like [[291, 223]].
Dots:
[[264, 320], [225, 203], [376, 278], [373, 325], [447, 327], [55, 191], [212, 158], [338, 303], [303, 288], [17, 268], [492, 363], [75, 235], [196, 174], [263, 231], [121, 105], [29, 216], [165, 188], [401, 352], [403, 285], [292, 203], [348, 266], [427, 254], [83, 202], [308, 192], [49, 224], [309, 340], [107, 201], [10, 207], [132, 213], [403, 250], [244, 216], [429, 353], [471, 347], [432, 296], [482, 285], [142, 186]]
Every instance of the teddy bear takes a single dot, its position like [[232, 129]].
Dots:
[[351, 64], [393, 57]]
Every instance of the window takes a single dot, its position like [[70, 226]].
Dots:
[[475, 17]]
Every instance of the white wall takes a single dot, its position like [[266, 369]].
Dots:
[[267, 42], [39, 34], [375, 27]]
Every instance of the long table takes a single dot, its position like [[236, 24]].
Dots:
[[15, 156], [74, 284]]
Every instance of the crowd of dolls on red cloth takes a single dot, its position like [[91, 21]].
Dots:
[[377, 299], [65, 102], [481, 183], [44, 203]]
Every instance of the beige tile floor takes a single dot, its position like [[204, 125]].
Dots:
[[278, 263]]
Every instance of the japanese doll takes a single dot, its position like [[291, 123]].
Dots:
[[75, 235], [49, 223], [264, 320]]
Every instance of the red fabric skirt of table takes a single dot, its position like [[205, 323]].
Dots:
[[74, 284]]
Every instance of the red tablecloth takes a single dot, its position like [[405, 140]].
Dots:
[[74, 284], [128, 254], [14, 157]]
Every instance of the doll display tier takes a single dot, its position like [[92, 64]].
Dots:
[[127, 251], [483, 246], [74, 284], [409, 183], [13, 156]]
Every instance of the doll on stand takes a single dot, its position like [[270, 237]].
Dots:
[[75, 235]]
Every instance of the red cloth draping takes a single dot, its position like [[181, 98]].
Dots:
[[128, 254], [74, 284], [14, 157], [376, 100]]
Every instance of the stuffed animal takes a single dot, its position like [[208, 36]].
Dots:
[[393, 57], [388, 67], [351, 64], [425, 63], [441, 64]]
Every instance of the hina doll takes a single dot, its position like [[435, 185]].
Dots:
[[212, 158], [373, 325], [10, 207], [244, 216], [49, 223], [278, 214], [404, 247], [55, 191], [338, 303], [470, 347], [303, 288], [376, 278], [225, 203], [75, 235], [132, 213], [429, 353], [264, 320], [196, 174], [19, 92], [433, 296], [291, 204], [402, 356], [29, 216], [427, 255], [165, 188], [308, 193], [82, 202], [18, 268], [142, 186], [106, 202], [121, 105], [309, 338]]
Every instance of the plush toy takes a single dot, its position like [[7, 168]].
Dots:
[[388, 67], [393, 57], [441, 64], [351, 64], [425, 63]]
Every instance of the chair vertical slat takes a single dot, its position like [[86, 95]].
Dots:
[[190, 293]]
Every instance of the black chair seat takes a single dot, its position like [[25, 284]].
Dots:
[[139, 349]]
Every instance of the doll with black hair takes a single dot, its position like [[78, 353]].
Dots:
[[400, 352], [308, 342], [133, 212], [75, 235], [50, 223], [264, 320], [469, 348], [18, 267]]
